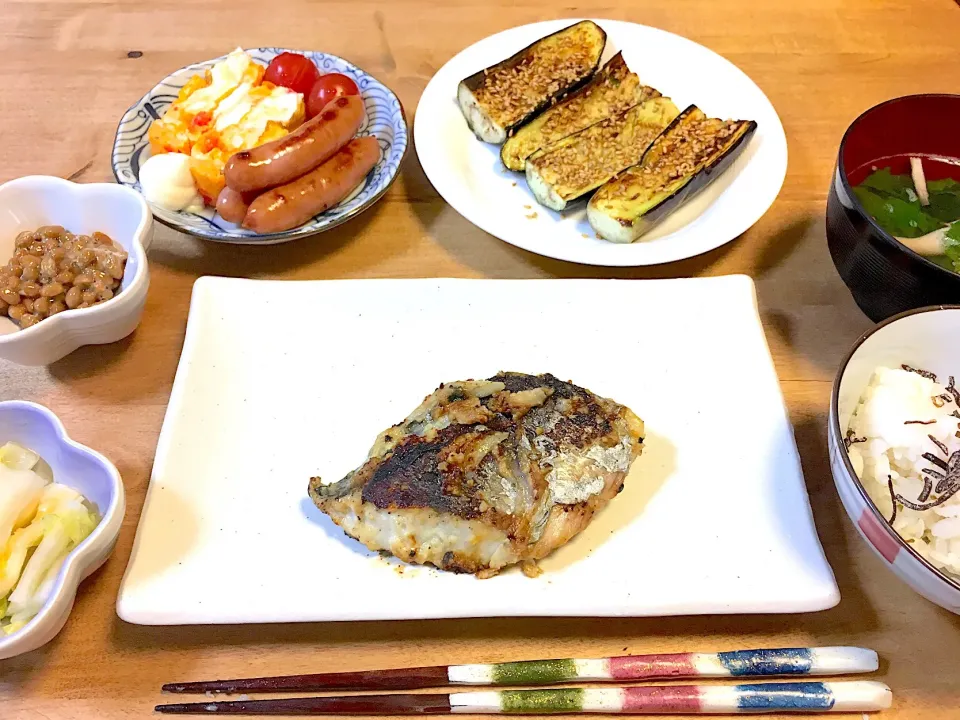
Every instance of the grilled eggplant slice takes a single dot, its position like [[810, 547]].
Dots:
[[581, 163], [502, 97], [610, 92], [690, 154]]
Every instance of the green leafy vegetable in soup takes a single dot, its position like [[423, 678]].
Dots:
[[923, 215], [900, 218], [951, 245]]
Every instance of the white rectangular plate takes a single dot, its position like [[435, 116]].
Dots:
[[280, 381]]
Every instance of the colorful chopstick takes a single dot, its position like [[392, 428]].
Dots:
[[739, 663], [807, 697]]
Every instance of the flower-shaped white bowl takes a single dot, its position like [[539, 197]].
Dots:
[[90, 474], [927, 338], [30, 202]]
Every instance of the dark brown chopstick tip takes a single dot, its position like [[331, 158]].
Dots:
[[199, 688], [343, 705], [242, 707], [389, 679], [176, 709]]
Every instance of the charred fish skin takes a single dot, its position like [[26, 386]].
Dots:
[[486, 474]]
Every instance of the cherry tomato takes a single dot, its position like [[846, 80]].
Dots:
[[328, 88], [293, 71]]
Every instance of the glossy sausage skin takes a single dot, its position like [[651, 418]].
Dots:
[[232, 206], [296, 154], [295, 203]]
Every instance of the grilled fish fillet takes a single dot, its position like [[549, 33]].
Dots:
[[487, 474]]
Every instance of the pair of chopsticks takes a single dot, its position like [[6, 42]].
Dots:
[[842, 696]]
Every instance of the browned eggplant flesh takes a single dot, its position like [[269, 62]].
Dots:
[[690, 154], [499, 99]]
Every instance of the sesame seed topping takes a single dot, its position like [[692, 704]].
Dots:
[[512, 92], [688, 146], [602, 150]]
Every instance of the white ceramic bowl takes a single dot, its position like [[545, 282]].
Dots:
[[30, 202], [90, 474], [927, 338]]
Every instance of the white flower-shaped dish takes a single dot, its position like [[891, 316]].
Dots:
[[90, 474], [31, 202], [385, 121]]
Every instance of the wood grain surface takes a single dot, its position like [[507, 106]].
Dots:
[[70, 68]]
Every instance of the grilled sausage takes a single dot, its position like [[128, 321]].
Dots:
[[232, 206], [283, 160], [295, 203]]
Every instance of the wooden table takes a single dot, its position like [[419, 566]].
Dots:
[[72, 67]]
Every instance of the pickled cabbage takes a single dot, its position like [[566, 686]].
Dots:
[[40, 523]]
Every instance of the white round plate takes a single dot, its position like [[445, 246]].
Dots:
[[469, 175], [384, 121]]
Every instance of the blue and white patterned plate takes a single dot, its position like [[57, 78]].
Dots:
[[385, 121]]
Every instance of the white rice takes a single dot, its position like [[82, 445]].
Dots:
[[884, 445]]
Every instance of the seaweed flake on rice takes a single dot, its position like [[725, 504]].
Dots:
[[903, 440]]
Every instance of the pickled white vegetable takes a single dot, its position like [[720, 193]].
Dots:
[[17, 457], [20, 492], [41, 522]]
